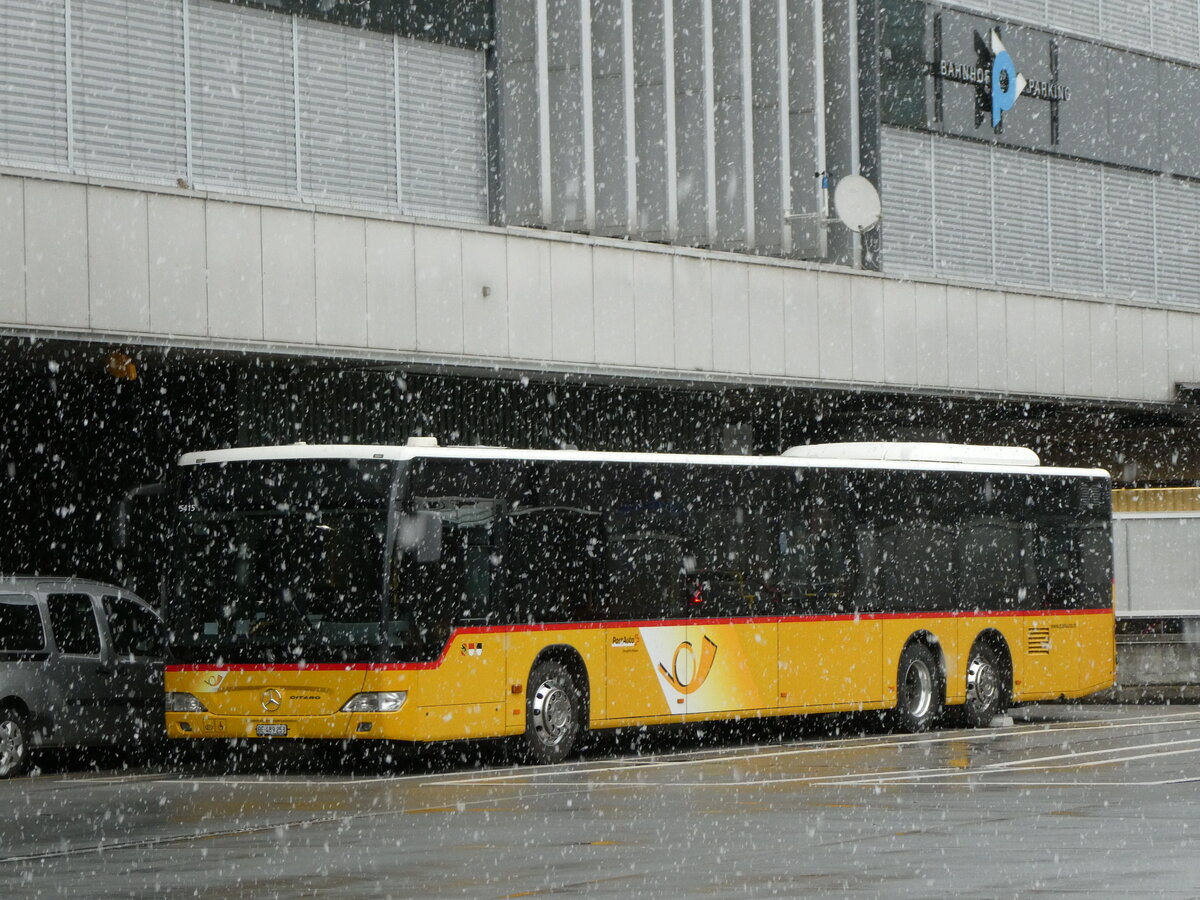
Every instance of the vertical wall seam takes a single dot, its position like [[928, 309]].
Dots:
[[785, 130], [399, 129], [149, 262], [748, 126], [1154, 183], [628, 76], [1049, 224], [87, 248], [262, 277], [189, 164], [818, 69], [854, 113], [933, 247], [543, 96], [992, 208], [710, 126], [69, 84], [589, 124], [671, 148], [25, 248], [1103, 231], [296, 102]]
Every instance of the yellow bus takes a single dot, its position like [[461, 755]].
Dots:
[[426, 593]]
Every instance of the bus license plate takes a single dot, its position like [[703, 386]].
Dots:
[[271, 730]]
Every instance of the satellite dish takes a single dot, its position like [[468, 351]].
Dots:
[[857, 203]]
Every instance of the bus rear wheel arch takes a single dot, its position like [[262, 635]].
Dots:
[[920, 688], [989, 680], [556, 708]]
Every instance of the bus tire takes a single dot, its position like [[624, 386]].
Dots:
[[14, 743], [553, 713], [989, 687], [918, 689]]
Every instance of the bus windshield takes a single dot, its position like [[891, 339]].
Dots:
[[280, 561]]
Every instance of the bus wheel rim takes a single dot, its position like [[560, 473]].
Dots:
[[552, 713], [918, 689], [983, 686]]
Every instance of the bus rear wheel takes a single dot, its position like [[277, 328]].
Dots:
[[918, 693], [988, 687], [553, 714]]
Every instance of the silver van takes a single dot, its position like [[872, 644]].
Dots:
[[80, 665]]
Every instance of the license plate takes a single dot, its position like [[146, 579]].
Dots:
[[271, 730]]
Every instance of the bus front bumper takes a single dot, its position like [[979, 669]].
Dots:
[[343, 726]]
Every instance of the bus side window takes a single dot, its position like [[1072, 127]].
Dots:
[[644, 535], [549, 565], [992, 565]]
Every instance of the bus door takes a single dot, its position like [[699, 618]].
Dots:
[[829, 654], [443, 595], [644, 608], [729, 661], [645, 527]]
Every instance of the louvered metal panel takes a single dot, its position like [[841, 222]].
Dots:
[[1081, 17], [33, 83], [1128, 22], [128, 88], [1022, 219], [347, 116], [1076, 227], [1032, 11], [1177, 29], [244, 128], [1177, 227], [983, 7], [907, 194], [1129, 235], [442, 132], [962, 210]]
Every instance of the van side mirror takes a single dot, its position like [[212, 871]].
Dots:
[[119, 525], [420, 535]]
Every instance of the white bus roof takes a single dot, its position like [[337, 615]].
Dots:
[[880, 455], [905, 451]]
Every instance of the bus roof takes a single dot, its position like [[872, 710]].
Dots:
[[857, 455]]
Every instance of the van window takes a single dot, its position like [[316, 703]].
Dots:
[[21, 625], [134, 629], [74, 624]]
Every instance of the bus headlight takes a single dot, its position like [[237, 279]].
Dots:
[[379, 701], [178, 701]]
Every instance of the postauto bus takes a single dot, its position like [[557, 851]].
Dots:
[[426, 593]]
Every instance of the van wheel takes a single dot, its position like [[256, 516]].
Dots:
[[988, 687], [14, 744], [918, 689], [553, 713]]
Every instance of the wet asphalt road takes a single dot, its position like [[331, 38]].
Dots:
[[1090, 800]]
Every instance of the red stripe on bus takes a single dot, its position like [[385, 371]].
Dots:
[[635, 623]]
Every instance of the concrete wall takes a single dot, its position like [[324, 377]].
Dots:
[[88, 259]]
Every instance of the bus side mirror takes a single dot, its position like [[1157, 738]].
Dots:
[[420, 536]]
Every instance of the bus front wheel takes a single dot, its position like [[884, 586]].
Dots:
[[918, 694], [553, 714]]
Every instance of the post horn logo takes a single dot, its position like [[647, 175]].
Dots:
[[272, 699], [685, 674]]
